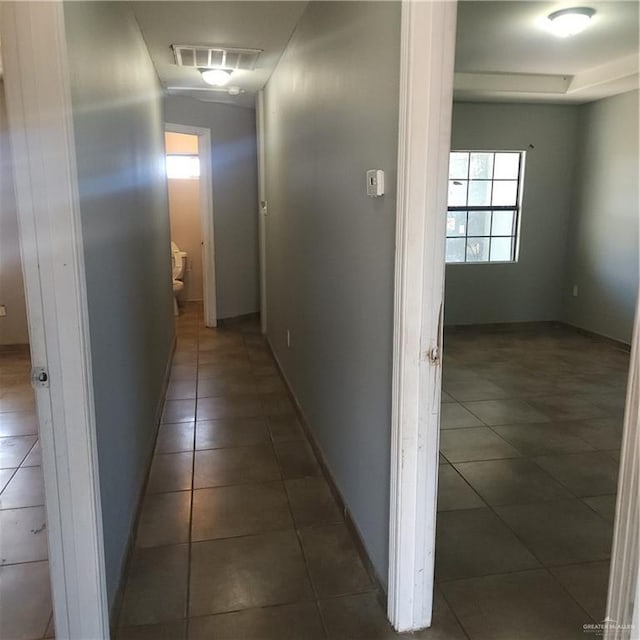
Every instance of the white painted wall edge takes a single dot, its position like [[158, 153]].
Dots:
[[206, 217], [262, 209], [426, 99], [39, 109], [624, 574]]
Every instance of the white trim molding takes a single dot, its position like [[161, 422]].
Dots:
[[624, 575], [262, 208], [426, 98], [206, 217], [39, 109]]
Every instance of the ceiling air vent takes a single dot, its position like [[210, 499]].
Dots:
[[215, 57]]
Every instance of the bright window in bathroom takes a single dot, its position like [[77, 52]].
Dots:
[[484, 205], [183, 167]]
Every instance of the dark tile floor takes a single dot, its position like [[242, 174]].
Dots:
[[25, 601], [239, 536], [531, 432]]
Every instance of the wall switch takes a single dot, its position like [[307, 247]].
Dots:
[[375, 183], [3, 311], [288, 338], [574, 292]]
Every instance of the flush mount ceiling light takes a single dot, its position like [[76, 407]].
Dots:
[[569, 22], [216, 77]]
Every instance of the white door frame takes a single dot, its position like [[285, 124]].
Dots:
[[206, 217], [426, 94], [624, 574], [39, 110], [426, 100], [262, 209]]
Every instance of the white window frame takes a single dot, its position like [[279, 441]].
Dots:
[[517, 209]]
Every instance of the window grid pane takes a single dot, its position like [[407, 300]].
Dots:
[[484, 206]]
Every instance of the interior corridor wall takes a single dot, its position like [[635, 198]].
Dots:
[[331, 113], [531, 289], [603, 259], [118, 129], [235, 197], [13, 326]]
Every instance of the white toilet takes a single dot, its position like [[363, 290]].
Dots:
[[178, 266]]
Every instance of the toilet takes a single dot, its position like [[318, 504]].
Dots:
[[178, 267]]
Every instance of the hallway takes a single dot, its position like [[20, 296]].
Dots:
[[240, 536]]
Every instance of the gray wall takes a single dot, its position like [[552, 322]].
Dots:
[[603, 253], [331, 114], [118, 130], [532, 288], [13, 327], [235, 197]]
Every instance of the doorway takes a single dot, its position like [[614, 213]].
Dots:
[[188, 151]]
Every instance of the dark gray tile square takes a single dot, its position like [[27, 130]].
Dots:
[[299, 621], [566, 407], [475, 542], [476, 389], [584, 474], [232, 406], [560, 532], [333, 561], [312, 502], [242, 383], [156, 589], [541, 439], [588, 584], [271, 384], [462, 445], [26, 600], [297, 459], [278, 404], [231, 432], [285, 428], [514, 481], [604, 505], [494, 412], [454, 492], [179, 411], [601, 433], [170, 472], [175, 437], [175, 630], [455, 416], [239, 465], [529, 605], [164, 519], [181, 390], [23, 535], [252, 571], [362, 617], [240, 510]]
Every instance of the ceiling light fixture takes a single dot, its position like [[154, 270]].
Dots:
[[216, 77], [569, 22]]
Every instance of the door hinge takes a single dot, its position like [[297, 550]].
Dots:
[[434, 356], [39, 377]]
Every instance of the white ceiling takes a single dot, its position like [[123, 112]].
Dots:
[[505, 52], [254, 25]]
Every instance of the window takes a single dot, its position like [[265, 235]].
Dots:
[[183, 167], [483, 214]]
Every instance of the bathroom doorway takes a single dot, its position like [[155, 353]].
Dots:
[[188, 151]]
